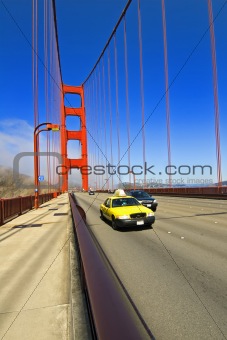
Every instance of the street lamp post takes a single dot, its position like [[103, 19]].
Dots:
[[49, 126]]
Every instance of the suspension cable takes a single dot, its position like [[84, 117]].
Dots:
[[104, 105], [166, 88], [142, 87], [127, 97], [110, 110], [117, 94], [110, 38], [215, 89]]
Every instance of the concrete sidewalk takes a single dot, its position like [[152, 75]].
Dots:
[[35, 274]]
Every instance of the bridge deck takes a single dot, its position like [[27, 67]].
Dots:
[[35, 273]]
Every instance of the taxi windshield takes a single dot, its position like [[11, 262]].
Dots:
[[124, 202]]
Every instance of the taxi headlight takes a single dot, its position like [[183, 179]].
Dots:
[[123, 217], [150, 214]]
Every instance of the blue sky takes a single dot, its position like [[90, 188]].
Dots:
[[83, 29]]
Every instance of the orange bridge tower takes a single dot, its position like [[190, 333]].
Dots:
[[66, 135]]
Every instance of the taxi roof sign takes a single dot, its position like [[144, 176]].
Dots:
[[119, 193]]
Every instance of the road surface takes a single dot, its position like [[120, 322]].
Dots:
[[175, 273]]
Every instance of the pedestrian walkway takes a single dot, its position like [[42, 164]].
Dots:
[[35, 289]]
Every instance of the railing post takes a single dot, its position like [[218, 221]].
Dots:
[[20, 212], [1, 211]]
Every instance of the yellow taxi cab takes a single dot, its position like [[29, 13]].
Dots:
[[125, 211]]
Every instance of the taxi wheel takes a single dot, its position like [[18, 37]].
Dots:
[[114, 226], [101, 215]]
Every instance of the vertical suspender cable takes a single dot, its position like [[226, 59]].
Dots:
[[117, 94], [110, 111], [166, 87], [215, 89], [110, 38], [45, 8], [127, 98], [51, 101], [87, 100], [53, 56], [60, 138], [35, 65], [51, 91], [104, 107], [54, 64], [35, 60], [90, 120], [90, 74], [97, 123], [94, 124], [95, 127], [100, 120], [142, 88], [54, 84]]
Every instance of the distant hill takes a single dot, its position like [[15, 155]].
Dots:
[[128, 185], [224, 183], [19, 185], [9, 188]]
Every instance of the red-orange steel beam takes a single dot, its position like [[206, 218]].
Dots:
[[77, 163], [70, 111], [74, 135]]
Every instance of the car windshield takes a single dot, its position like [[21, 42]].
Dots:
[[141, 194], [124, 202]]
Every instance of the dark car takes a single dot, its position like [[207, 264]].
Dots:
[[91, 192], [144, 198]]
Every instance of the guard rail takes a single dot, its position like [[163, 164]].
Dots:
[[13, 207], [112, 315]]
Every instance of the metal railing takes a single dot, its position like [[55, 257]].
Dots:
[[13, 207], [203, 192], [112, 315]]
